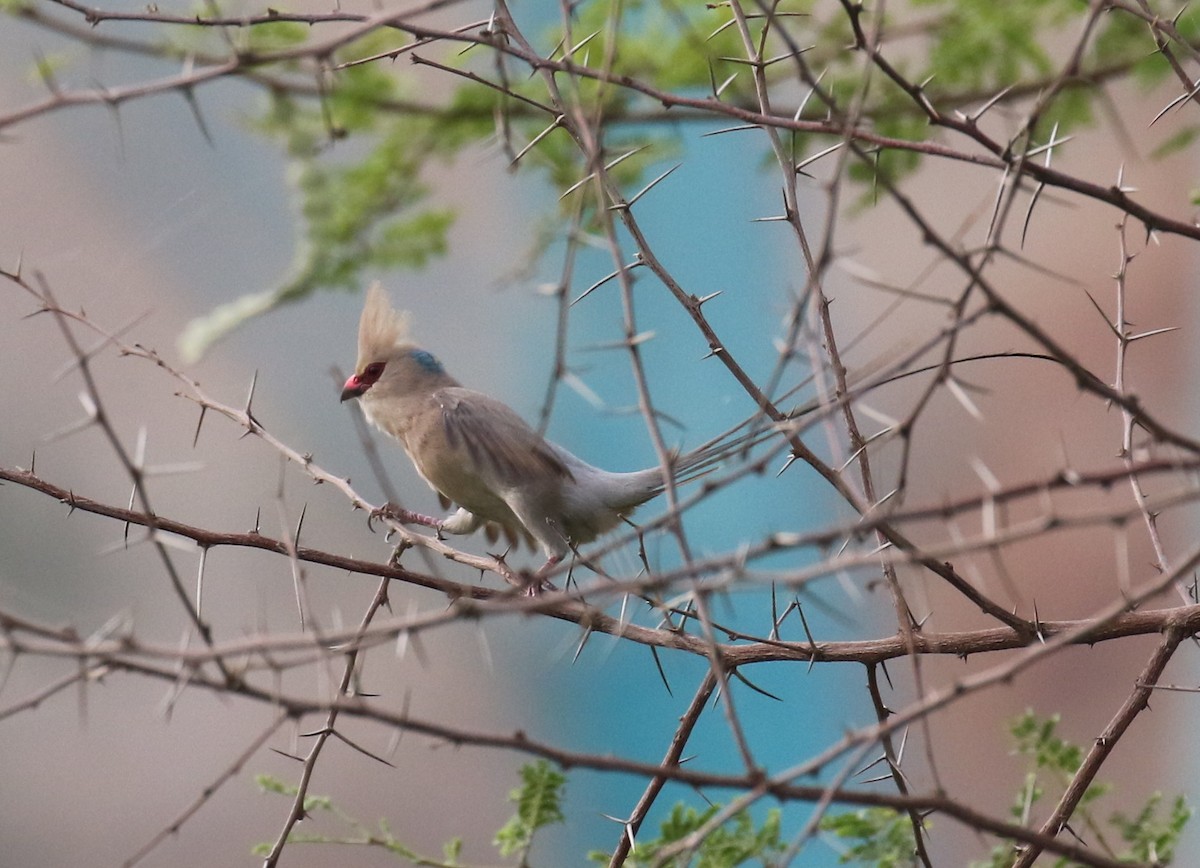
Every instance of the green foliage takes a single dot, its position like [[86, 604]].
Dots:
[[366, 212], [359, 154], [270, 784], [381, 836], [892, 164], [538, 801], [324, 804], [539, 804], [46, 66], [1049, 756], [1052, 763], [972, 50], [680, 49], [274, 36], [980, 47], [874, 836], [366, 209], [1180, 141], [879, 837], [1152, 838], [736, 842], [984, 45], [1124, 33], [883, 838]]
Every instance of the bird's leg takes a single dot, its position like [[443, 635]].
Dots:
[[403, 516], [538, 582]]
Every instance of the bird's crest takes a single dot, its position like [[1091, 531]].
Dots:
[[381, 328]]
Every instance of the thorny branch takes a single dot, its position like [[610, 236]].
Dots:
[[888, 534]]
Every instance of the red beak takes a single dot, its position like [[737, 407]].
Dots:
[[354, 388]]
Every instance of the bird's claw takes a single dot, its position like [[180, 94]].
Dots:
[[536, 586], [531, 584], [388, 511], [537, 582]]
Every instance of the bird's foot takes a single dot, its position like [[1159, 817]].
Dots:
[[536, 583], [531, 584], [403, 516]]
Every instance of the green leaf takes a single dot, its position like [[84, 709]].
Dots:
[[274, 36], [880, 837], [539, 804], [736, 842], [270, 784], [359, 216], [1153, 838], [1178, 142]]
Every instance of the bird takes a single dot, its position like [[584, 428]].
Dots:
[[480, 455]]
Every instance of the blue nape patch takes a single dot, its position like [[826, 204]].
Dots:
[[426, 360]]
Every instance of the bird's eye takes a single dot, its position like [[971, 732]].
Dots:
[[372, 372]]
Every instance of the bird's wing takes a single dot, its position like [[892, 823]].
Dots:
[[496, 440]]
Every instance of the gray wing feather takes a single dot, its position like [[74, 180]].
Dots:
[[496, 439]]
